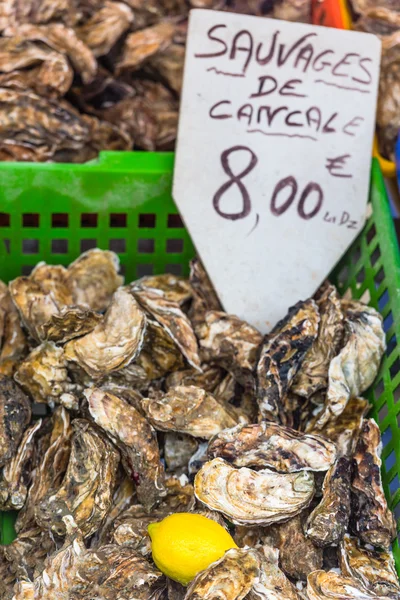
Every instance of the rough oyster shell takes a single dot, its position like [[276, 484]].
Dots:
[[105, 27], [313, 374], [247, 497], [274, 446], [115, 342], [69, 323], [12, 339], [282, 354], [229, 578], [374, 570], [178, 450], [93, 278], [176, 289], [371, 519], [135, 439], [15, 414], [187, 409], [87, 488], [16, 474], [208, 380], [204, 295], [124, 496], [328, 522], [272, 583], [159, 355], [323, 585], [345, 430], [356, 366]]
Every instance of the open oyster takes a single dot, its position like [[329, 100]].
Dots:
[[135, 439], [16, 474], [87, 488], [229, 578], [313, 374], [247, 497], [204, 296], [354, 369], [371, 519], [15, 414], [187, 409], [328, 522], [115, 342], [322, 585], [272, 583], [275, 446], [93, 278], [12, 339], [282, 354], [345, 430]]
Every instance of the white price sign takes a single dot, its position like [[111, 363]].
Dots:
[[274, 152]]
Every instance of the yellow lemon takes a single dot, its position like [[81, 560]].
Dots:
[[184, 544]]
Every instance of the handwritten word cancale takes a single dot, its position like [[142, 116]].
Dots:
[[274, 154]]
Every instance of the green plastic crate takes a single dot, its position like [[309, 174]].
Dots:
[[122, 202]]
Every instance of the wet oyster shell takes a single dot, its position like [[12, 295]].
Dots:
[[176, 289], [12, 339], [323, 585], [371, 520], [374, 570], [16, 474], [198, 459], [115, 342], [247, 497], [357, 364], [272, 583], [45, 376], [87, 489], [274, 446], [229, 578], [170, 316], [328, 522], [93, 278], [282, 354], [15, 414], [178, 450], [313, 374], [187, 409], [135, 439], [345, 430], [205, 298]]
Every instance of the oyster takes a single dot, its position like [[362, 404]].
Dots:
[[374, 570], [272, 583], [371, 519], [345, 430], [69, 323], [282, 354], [328, 522], [142, 45], [115, 342], [16, 474], [176, 289], [204, 295], [170, 316], [208, 380], [322, 585], [93, 278], [87, 489], [187, 409], [45, 376], [274, 446], [12, 338], [247, 497], [178, 450], [123, 498], [159, 355], [104, 28], [354, 369], [313, 374], [135, 439], [229, 578], [50, 471], [15, 414], [198, 459]]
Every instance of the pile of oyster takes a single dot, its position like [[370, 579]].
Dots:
[[155, 401], [80, 76]]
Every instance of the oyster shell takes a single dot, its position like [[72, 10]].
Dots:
[[170, 316], [354, 369], [371, 519], [313, 374], [282, 354], [50, 469], [272, 583], [274, 446], [204, 295], [45, 376], [178, 450], [16, 474], [93, 278], [198, 459], [229, 578], [135, 439], [187, 409], [247, 497], [374, 570], [159, 355], [176, 289], [123, 498], [323, 585], [328, 522], [15, 414], [12, 339], [345, 430], [105, 27], [208, 380], [69, 323], [87, 489], [115, 342]]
